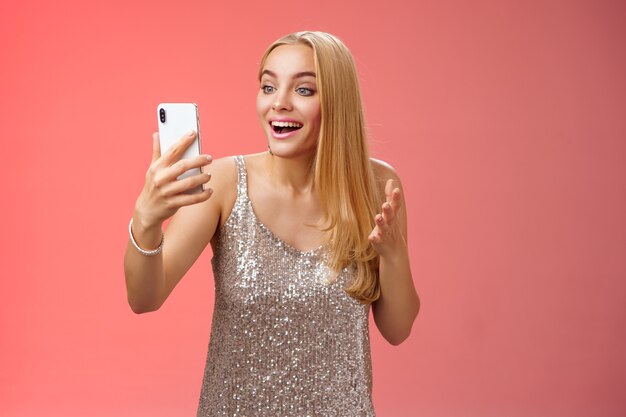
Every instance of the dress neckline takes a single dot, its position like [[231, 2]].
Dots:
[[242, 189]]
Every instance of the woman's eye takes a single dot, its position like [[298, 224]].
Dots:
[[267, 89], [304, 91]]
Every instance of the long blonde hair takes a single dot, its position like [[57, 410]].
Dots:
[[344, 179]]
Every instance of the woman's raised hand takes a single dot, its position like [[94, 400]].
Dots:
[[387, 236], [163, 194]]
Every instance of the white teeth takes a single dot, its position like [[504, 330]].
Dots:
[[286, 124]]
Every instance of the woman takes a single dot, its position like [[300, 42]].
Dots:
[[305, 236]]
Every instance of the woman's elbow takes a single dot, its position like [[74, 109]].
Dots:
[[142, 308], [397, 339], [399, 335]]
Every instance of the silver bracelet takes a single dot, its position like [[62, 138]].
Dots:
[[142, 251]]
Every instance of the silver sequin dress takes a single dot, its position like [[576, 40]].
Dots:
[[283, 341]]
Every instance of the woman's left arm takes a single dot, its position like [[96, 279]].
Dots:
[[398, 305]]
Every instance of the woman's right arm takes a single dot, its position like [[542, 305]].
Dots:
[[150, 279]]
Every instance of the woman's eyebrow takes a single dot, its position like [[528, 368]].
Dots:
[[297, 75], [305, 74]]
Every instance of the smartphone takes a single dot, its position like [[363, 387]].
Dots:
[[175, 120]]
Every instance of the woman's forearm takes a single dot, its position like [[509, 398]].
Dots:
[[145, 281], [398, 305]]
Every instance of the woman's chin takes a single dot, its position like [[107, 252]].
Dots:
[[284, 149]]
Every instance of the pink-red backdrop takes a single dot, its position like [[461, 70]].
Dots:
[[505, 119]]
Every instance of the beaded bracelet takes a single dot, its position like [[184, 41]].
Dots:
[[142, 251]]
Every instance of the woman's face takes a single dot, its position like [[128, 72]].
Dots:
[[288, 102]]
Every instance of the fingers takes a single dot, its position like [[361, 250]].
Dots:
[[180, 186], [389, 189], [171, 173], [382, 231], [374, 237], [382, 224], [391, 207], [385, 231], [175, 151], [184, 165], [182, 200], [381, 228], [168, 167], [388, 214], [396, 201], [163, 193], [393, 196], [389, 210]]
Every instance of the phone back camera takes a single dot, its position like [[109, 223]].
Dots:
[[162, 115]]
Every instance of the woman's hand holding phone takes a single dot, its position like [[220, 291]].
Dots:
[[163, 194]]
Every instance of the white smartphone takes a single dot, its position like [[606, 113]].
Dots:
[[175, 120]]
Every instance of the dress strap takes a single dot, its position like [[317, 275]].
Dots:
[[242, 177]]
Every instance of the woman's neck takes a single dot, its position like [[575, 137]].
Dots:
[[296, 174]]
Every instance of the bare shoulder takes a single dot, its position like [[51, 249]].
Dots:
[[383, 172], [254, 161], [382, 169], [224, 178], [223, 175], [224, 185]]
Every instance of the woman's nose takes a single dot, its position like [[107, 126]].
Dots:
[[281, 101]]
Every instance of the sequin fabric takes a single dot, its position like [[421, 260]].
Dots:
[[284, 341]]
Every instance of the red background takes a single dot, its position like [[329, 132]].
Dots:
[[505, 119]]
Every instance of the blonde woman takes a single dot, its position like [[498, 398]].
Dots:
[[306, 236]]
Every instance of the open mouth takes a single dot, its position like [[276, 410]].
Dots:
[[285, 127]]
